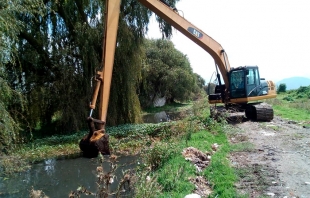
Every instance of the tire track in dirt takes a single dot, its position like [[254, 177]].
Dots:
[[279, 164]]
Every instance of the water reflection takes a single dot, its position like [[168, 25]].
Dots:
[[49, 166], [57, 178]]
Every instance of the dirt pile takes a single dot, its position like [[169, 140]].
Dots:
[[198, 158]]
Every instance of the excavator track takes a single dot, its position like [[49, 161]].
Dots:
[[255, 111], [259, 112]]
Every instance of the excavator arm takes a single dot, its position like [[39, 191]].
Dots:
[[97, 134], [169, 14], [97, 139], [104, 76]]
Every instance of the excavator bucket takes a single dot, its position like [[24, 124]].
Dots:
[[96, 141]]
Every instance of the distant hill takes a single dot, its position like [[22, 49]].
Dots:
[[294, 82]]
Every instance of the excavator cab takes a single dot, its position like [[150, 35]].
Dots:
[[245, 82]]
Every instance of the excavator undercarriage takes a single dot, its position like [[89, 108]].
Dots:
[[239, 112], [259, 112]]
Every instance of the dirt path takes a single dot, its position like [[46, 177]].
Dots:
[[279, 164]]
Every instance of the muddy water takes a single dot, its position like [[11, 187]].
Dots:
[[57, 178]]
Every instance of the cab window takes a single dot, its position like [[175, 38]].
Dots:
[[250, 77], [237, 84]]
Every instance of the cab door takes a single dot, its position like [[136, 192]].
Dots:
[[237, 84], [252, 82]]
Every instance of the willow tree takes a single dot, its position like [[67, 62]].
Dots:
[[124, 102], [11, 99], [58, 46]]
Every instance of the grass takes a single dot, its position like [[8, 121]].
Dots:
[[293, 104], [291, 113], [173, 171]]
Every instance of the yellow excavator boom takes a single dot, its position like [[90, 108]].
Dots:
[[97, 138], [192, 32]]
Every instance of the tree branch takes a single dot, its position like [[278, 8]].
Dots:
[[67, 21], [37, 46], [81, 10]]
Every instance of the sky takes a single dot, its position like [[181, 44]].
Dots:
[[272, 34]]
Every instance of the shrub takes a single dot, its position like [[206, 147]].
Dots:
[[281, 88], [288, 98]]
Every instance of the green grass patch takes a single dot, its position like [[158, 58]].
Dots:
[[37, 154], [291, 113], [174, 173], [298, 109]]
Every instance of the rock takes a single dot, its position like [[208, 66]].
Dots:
[[192, 196], [308, 183], [270, 194], [214, 146], [291, 122]]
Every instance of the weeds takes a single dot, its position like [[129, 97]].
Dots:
[[104, 180], [10, 165], [158, 155], [293, 104], [146, 185]]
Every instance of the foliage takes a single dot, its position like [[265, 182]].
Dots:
[[166, 73], [173, 177], [146, 185], [11, 165], [9, 96], [200, 81], [174, 171], [281, 88], [210, 88], [159, 154], [288, 98], [294, 104], [174, 174], [49, 52], [9, 128]]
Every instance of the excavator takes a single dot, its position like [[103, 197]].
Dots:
[[241, 89]]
